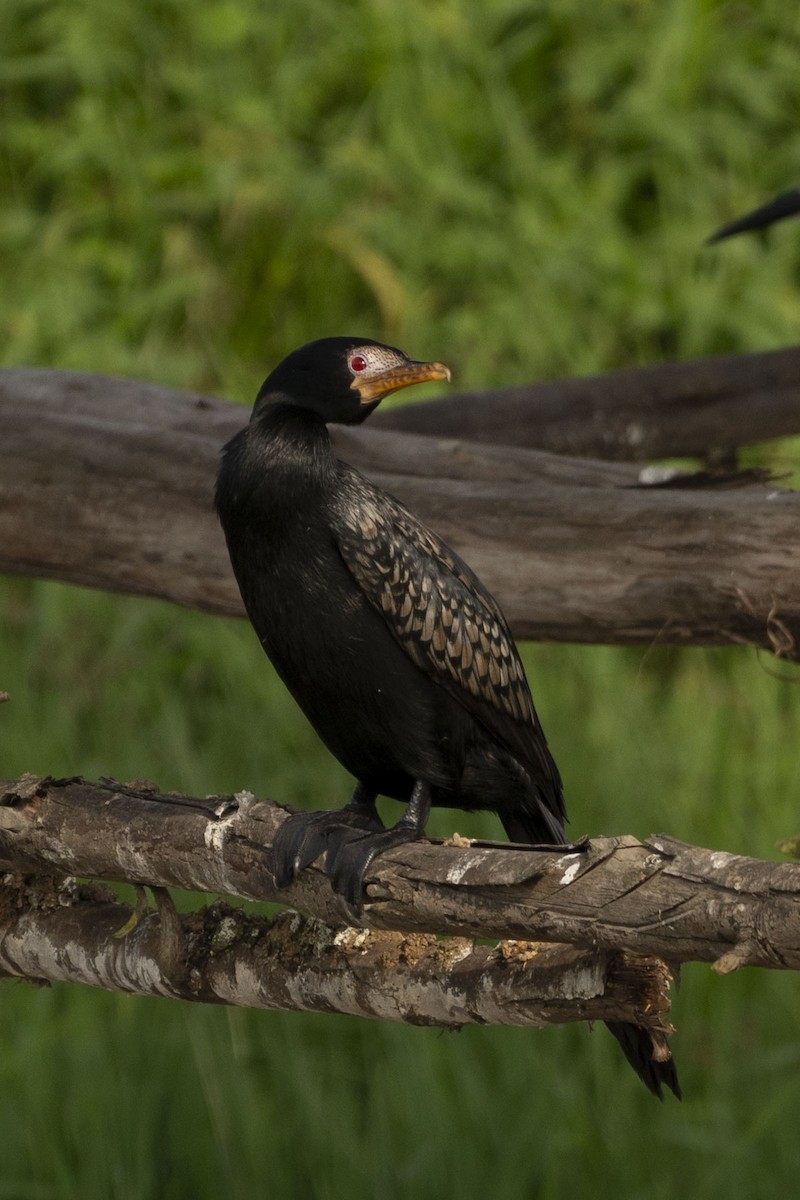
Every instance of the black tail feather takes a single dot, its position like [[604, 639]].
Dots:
[[538, 818], [538, 827], [637, 1046]]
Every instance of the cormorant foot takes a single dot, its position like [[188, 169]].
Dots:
[[350, 855], [352, 837], [305, 836]]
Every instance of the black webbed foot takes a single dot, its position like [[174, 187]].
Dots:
[[305, 836], [351, 836], [349, 856]]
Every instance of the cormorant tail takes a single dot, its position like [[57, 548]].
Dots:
[[540, 828], [638, 1049]]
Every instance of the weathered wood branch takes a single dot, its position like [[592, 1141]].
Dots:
[[60, 930], [108, 483], [706, 407], [657, 898]]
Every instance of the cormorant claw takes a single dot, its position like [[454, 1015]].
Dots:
[[304, 836], [349, 857], [351, 838]]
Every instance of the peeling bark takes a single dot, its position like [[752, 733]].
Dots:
[[64, 931], [659, 898]]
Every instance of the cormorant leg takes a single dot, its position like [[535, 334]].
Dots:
[[350, 855], [304, 836]]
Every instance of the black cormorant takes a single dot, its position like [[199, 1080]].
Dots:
[[391, 645]]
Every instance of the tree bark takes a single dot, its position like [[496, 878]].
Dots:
[[658, 898], [58, 930], [108, 483], [705, 408]]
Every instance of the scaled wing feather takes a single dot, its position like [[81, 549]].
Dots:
[[435, 606]]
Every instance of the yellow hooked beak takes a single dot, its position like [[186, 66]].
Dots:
[[395, 378]]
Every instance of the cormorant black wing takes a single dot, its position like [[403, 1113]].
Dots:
[[442, 616]]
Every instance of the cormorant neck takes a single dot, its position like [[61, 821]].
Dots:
[[293, 436]]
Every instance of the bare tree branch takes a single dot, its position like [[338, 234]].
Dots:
[[701, 408], [108, 483], [658, 898], [60, 930]]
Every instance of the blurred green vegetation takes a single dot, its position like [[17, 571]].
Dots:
[[187, 192]]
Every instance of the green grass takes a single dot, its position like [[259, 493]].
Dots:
[[186, 193], [105, 1095]]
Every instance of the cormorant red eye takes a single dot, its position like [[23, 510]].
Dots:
[[358, 363]]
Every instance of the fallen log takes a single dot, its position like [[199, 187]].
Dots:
[[62, 931], [108, 483], [705, 408], [657, 897]]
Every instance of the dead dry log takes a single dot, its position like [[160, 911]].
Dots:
[[59, 930], [108, 483], [704, 408], [657, 898]]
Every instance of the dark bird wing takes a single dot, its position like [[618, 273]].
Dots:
[[444, 619]]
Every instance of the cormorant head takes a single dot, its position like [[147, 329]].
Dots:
[[342, 379]]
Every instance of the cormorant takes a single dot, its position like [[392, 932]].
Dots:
[[787, 204], [391, 645]]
